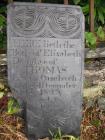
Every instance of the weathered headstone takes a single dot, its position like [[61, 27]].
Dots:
[[45, 64]]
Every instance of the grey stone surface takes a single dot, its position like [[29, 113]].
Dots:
[[45, 64]]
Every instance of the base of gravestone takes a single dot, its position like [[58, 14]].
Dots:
[[23, 108], [32, 137], [23, 114]]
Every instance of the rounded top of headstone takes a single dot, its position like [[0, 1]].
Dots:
[[33, 20]]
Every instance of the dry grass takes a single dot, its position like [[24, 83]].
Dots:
[[11, 127], [93, 124]]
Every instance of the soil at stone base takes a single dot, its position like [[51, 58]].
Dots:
[[11, 127]]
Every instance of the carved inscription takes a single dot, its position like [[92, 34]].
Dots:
[[52, 81], [48, 62], [45, 64]]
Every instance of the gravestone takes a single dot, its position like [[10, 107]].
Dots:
[[45, 64]]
